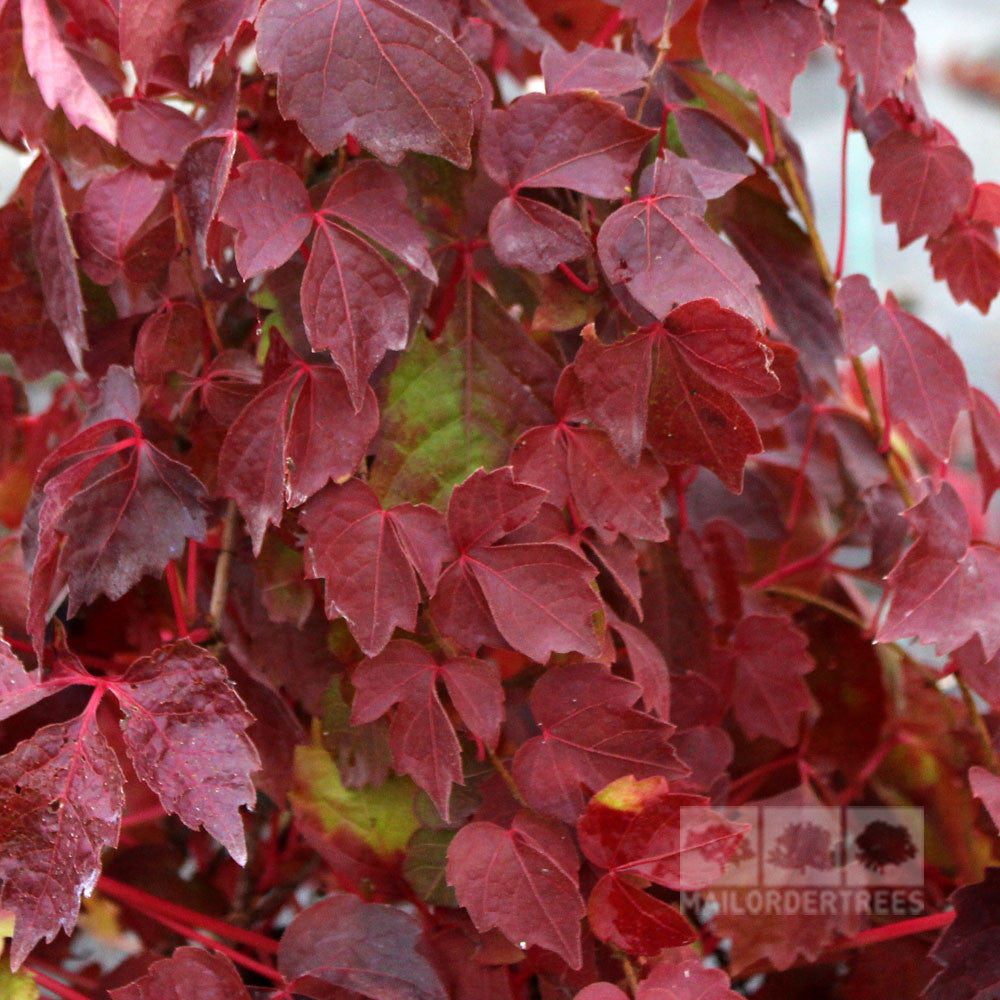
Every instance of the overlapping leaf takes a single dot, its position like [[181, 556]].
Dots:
[[534, 596], [293, 437], [371, 559], [944, 589], [188, 972], [661, 250], [524, 881], [926, 379], [421, 735], [591, 735], [878, 44], [373, 68]]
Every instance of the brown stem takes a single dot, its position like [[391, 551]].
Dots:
[[185, 239], [220, 583], [979, 724], [820, 602], [508, 778]]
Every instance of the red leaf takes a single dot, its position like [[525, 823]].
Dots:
[[189, 972], [986, 787], [57, 259], [374, 69], [372, 199], [422, 737], [343, 944], [591, 735], [268, 206], [145, 28], [607, 494], [354, 305], [923, 182], [878, 43], [671, 838], [687, 980], [986, 438], [769, 694], [530, 234], [576, 140], [18, 688], [944, 589], [60, 805], [292, 438], [59, 77], [184, 728], [522, 881], [199, 183], [114, 210], [927, 385], [604, 71], [968, 947], [625, 916], [664, 253], [370, 559], [762, 44], [966, 256]]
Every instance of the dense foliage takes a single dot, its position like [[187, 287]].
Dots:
[[418, 497]]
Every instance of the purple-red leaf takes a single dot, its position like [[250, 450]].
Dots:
[[343, 944], [927, 385], [769, 695], [189, 972], [372, 68], [184, 728], [371, 558], [878, 43], [576, 140], [944, 589], [57, 259], [605, 71], [762, 44], [923, 182], [986, 439], [967, 257], [591, 735], [59, 77], [289, 440], [523, 881], [530, 234], [61, 801], [268, 206], [421, 736], [661, 250]]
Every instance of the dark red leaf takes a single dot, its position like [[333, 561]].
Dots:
[[769, 695], [604, 71], [663, 252], [61, 801], [591, 735], [188, 972], [878, 43], [644, 829], [762, 44], [372, 68], [944, 589], [530, 234], [927, 385], [343, 944], [625, 916], [923, 182], [57, 264], [199, 183], [292, 438], [184, 728], [114, 210], [144, 30], [371, 558], [575, 140], [19, 689], [523, 881], [268, 206], [422, 737]]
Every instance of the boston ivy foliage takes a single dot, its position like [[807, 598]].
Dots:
[[417, 498]]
